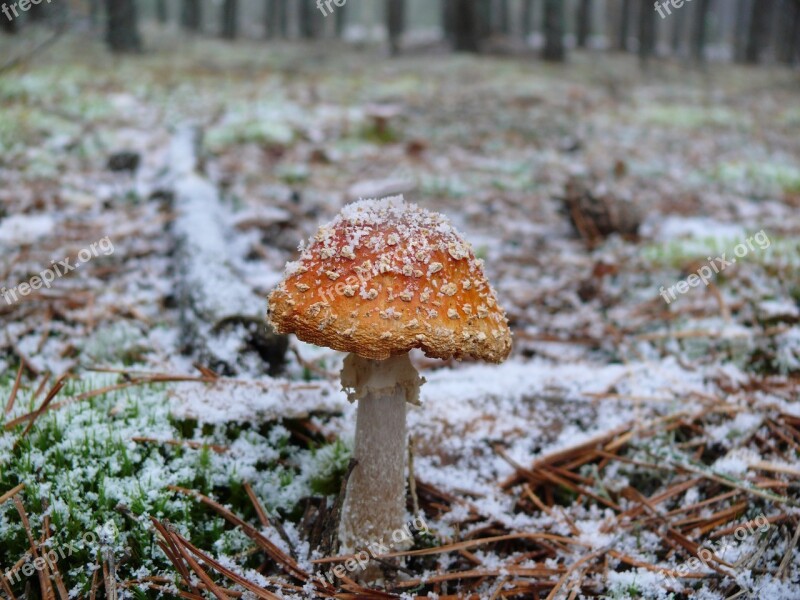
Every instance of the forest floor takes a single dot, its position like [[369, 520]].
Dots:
[[629, 448]]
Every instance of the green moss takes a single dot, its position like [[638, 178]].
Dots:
[[331, 465], [79, 463]]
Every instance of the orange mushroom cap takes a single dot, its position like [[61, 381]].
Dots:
[[385, 277]]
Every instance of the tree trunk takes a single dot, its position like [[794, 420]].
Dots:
[[122, 33], [789, 31], [796, 37], [447, 10], [699, 33], [395, 22], [740, 32], [758, 34], [502, 20], [282, 18], [466, 26], [584, 23], [94, 13], [270, 9], [230, 19], [484, 18], [527, 18], [647, 31], [553, 31], [341, 20], [192, 15], [161, 11], [624, 25], [678, 27], [309, 15]]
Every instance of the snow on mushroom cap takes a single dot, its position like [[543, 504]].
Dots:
[[385, 277]]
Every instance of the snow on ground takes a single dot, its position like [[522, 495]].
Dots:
[[697, 388]]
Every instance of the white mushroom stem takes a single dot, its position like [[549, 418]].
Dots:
[[374, 506]]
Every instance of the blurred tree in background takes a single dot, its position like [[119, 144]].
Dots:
[[122, 32], [230, 19], [395, 22], [192, 14], [746, 31], [553, 31]]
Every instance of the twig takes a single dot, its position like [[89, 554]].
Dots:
[[262, 516], [13, 397], [783, 570], [287, 563]]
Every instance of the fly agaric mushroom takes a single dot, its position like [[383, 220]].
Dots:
[[382, 278]]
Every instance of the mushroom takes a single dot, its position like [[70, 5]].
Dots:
[[382, 278]]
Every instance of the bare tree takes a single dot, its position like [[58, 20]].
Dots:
[[270, 18], [624, 25], [788, 38], [122, 32], [700, 27], [161, 11], [678, 28], [554, 31], [501, 23], [527, 18], [647, 31], [94, 12], [276, 19], [192, 15], [341, 20], [466, 27], [310, 27], [740, 34], [230, 19], [395, 22], [583, 23], [447, 9], [758, 34]]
